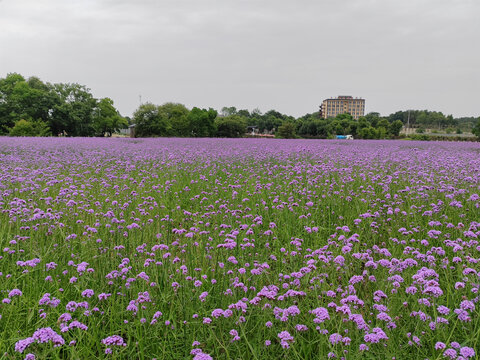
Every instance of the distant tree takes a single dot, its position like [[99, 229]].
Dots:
[[323, 129], [450, 121], [272, 120], [66, 108], [382, 128], [107, 119], [363, 122], [380, 133], [373, 118], [399, 115], [9, 111], [395, 127], [150, 122], [244, 113], [202, 122], [22, 128], [75, 111], [29, 128], [383, 123], [256, 112], [286, 130], [228, 111], [42, 128], [231, 126], [367, 133], [345, 116], [466, 123], [476, 129], [421, 118], [352, 128], [30, 100], [338, 127], [177, 115], [307, 128]]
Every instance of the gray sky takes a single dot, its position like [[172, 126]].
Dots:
[[271, 54]]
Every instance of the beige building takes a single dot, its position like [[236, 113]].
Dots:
[[341, 105]]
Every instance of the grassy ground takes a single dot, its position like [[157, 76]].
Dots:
[[238, 249]]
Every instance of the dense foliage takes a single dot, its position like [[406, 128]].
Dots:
[[432, 119], [239, 249], [476, 129], [233, 123], [30, 107]]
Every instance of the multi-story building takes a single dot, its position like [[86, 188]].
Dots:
[[341, 105]]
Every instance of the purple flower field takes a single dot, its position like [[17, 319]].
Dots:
[[239, 249]]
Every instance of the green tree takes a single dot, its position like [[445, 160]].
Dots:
[[245, 113], [231, 126], [177, 116], [228, 111], [150, 122], [270, 121], [22, 128], [382, 128], [399, 115], [337, 127], [421, 118], [345, 116], [367, 133], [8, 110], [352, 128], [65, 108], [307, 128], [28, 128], [476, 129], [30, 100], [373, 118], [286, 130], [395, 127], [74, 114], [380, 133], [324, 129], [107, 119], [38, 99], [202, 122]]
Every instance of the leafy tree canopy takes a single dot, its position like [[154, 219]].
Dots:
[[286, 131], [67, 109], [476, 129], [231, 126], [107, 119]]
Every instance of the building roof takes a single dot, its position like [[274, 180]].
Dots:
[[344, 97]]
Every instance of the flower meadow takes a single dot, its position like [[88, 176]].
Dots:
[[239, 249]]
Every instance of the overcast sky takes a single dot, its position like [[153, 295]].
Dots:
[[286, 55]]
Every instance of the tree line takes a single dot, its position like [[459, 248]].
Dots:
[[30, 107], [423, 119], [173, 119]]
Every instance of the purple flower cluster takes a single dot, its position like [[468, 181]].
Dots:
[[40, 336], [342, 249]]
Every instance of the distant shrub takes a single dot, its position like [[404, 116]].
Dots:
[[287, 131], [423, 137], [30, 128]]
